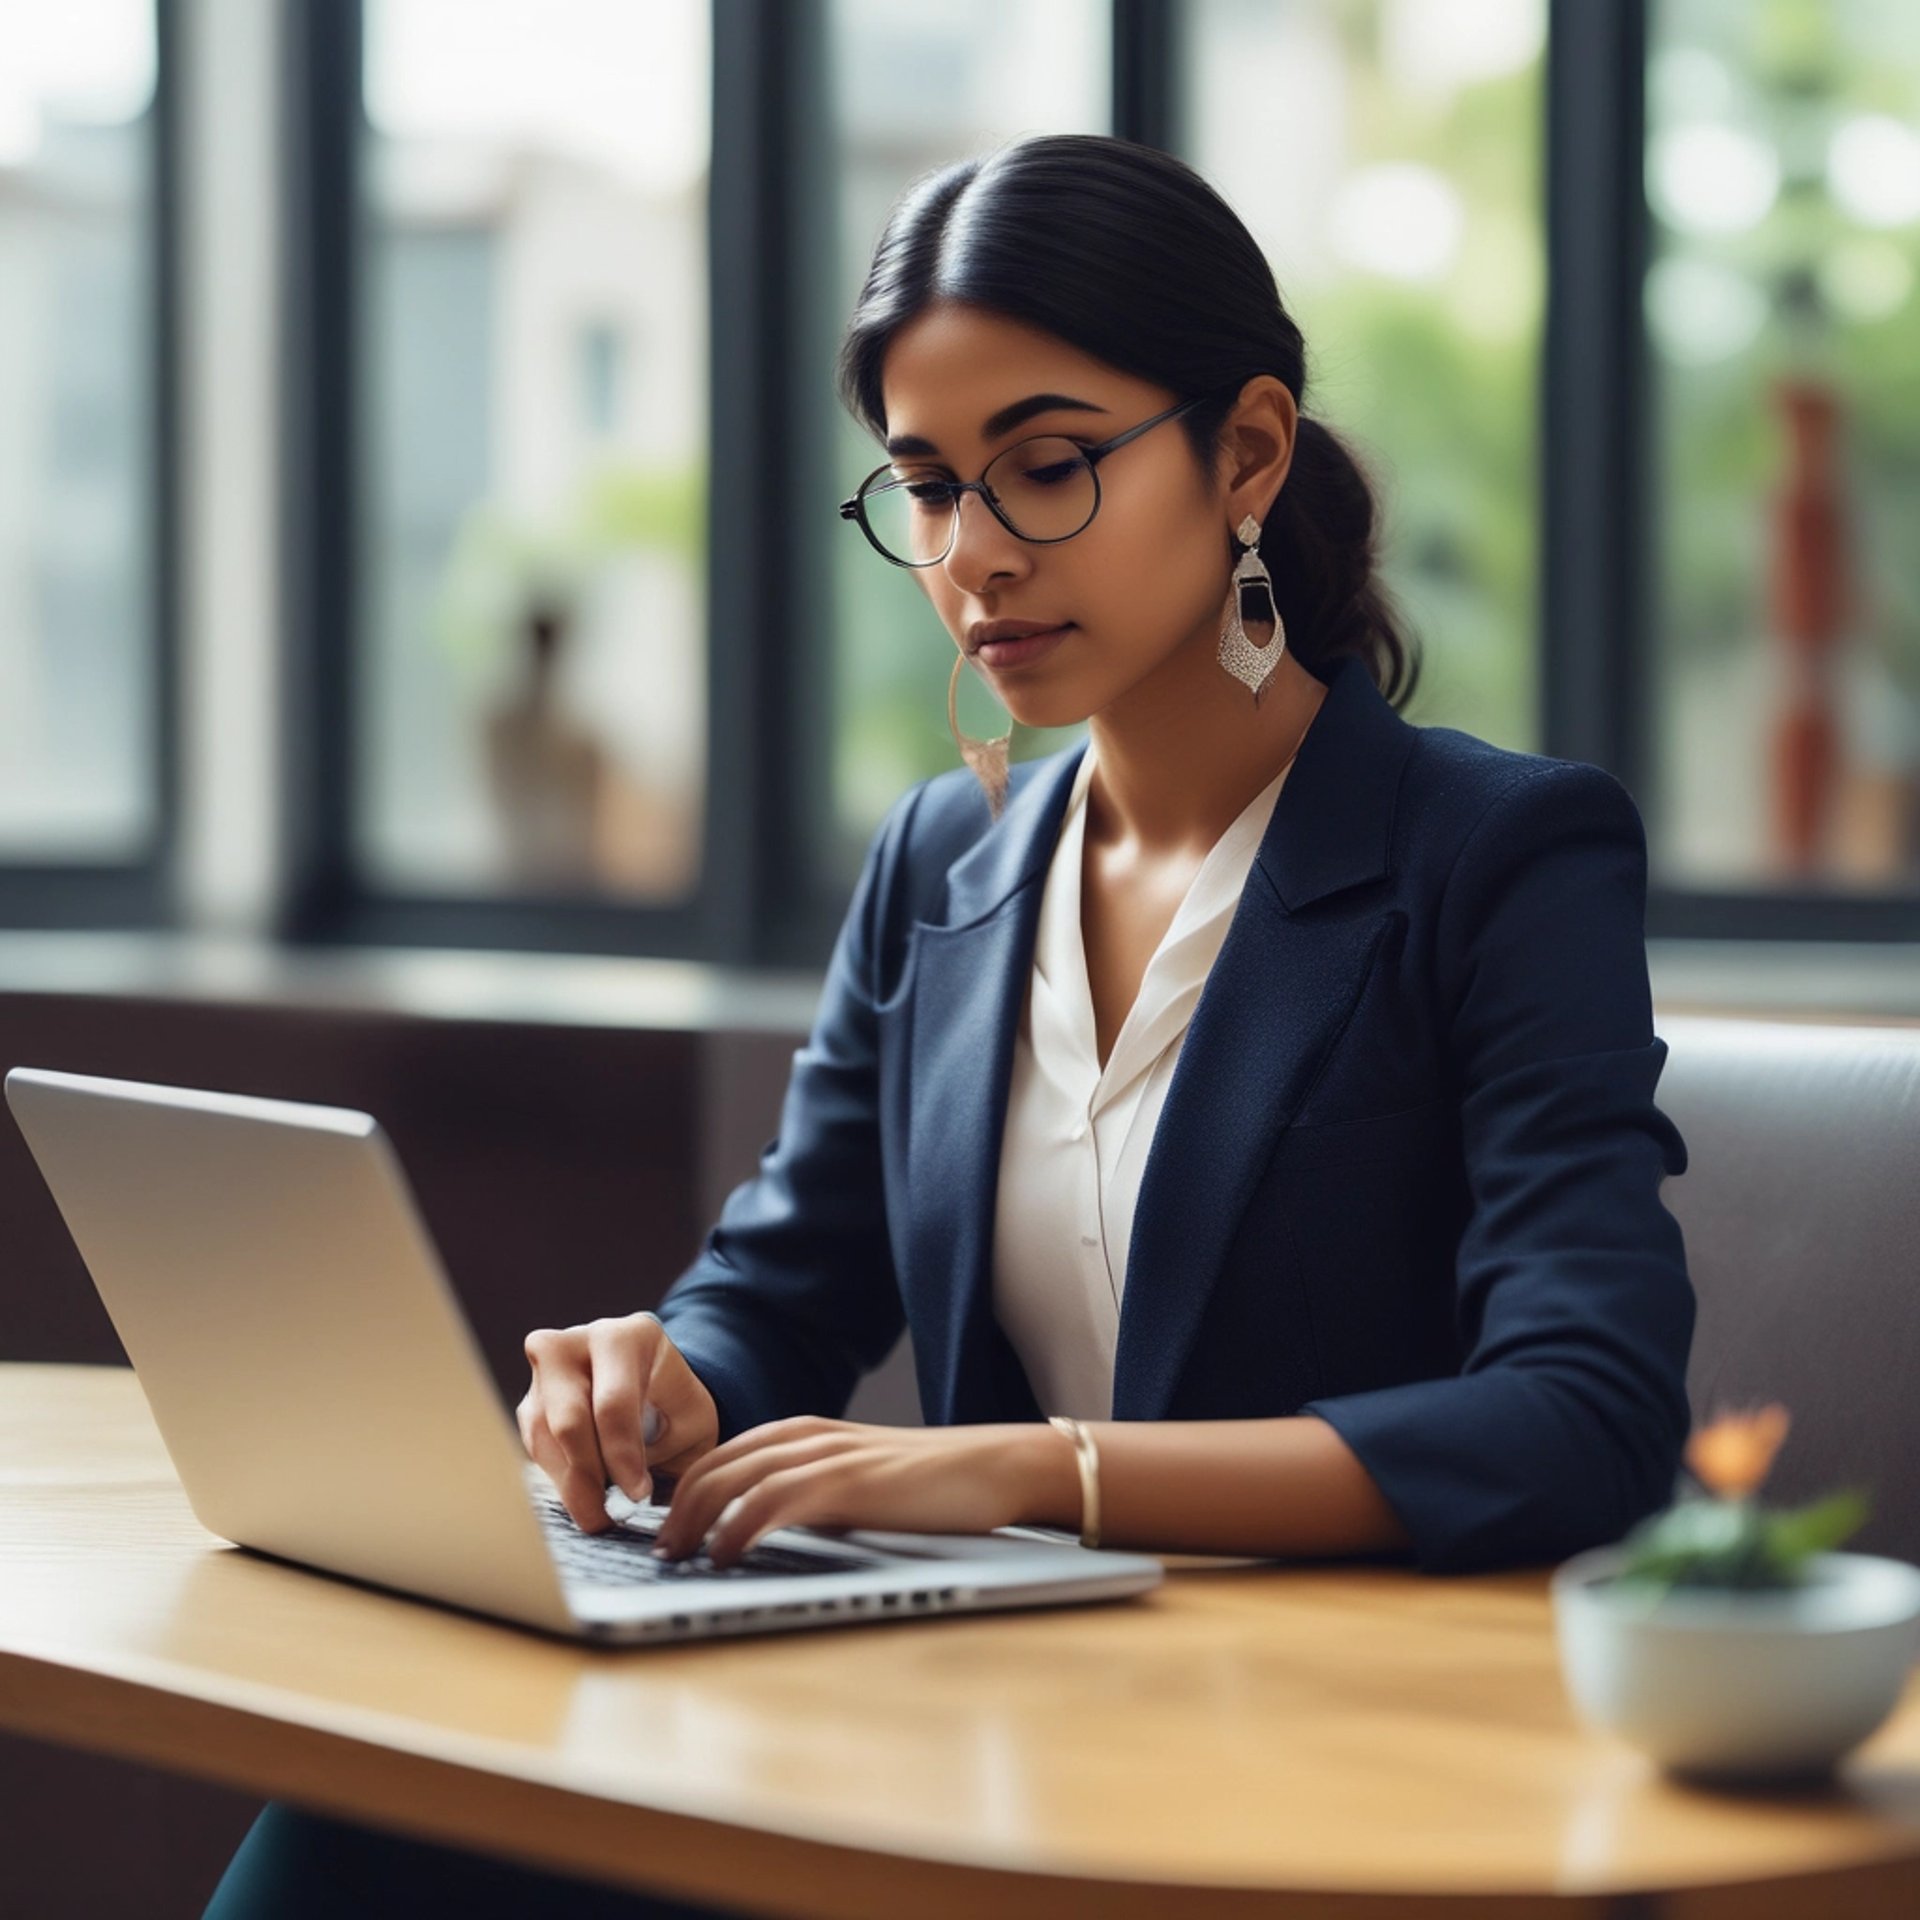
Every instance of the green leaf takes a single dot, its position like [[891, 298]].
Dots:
[[1692, 1527], [1733, 1544], [1704, 1543], [1794, 1535]]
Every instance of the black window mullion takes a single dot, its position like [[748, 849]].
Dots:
[[1147, 97], [1591, 431], [320, 86], [771, 245]]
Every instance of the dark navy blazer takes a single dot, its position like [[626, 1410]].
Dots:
[[1406, 1176]]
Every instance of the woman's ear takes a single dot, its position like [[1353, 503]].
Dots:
[[1257, 453]]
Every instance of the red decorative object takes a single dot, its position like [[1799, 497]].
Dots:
[[1808, 612]]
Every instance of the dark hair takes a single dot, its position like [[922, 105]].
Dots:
[[1128, 254]]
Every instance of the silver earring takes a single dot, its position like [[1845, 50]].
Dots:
[[1249, 663]]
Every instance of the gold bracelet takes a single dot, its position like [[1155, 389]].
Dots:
[[1089, 1458]]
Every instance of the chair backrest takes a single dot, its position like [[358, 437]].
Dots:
[[1800, 1208]]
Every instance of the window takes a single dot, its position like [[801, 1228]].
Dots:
[[1609, 298], [1783, 187], [601, 349], [529, 678], [82, 608], [912, 89], [1386, 154]]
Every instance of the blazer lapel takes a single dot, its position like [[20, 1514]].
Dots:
[[1279, 994], [969, 985], [1272, 1008], [1281, 989]]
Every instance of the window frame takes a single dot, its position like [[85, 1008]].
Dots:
[[766, 896], [1598, 600], [762, 898]]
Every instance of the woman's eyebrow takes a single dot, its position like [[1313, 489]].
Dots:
[[1002, 422]]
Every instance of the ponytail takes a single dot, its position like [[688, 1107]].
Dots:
[[1320, 544]]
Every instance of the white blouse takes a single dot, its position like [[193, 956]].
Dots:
[[1076, 1137]]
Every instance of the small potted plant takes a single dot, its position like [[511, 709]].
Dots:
[[1728, 1639]]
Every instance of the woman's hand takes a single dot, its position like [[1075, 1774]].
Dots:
[[814, 1472], [611, 1402]]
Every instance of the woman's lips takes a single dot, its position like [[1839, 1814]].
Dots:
[[1022, 652]]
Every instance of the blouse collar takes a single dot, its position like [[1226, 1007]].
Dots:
[[1062, 1004]]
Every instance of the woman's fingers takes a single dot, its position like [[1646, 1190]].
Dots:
[[809, 1471], [579, 1494], [792, 1495], [608, 1401], [620, 1357], [564, 1410], [714, 1484]]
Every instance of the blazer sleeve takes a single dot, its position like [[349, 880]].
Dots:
[[793, 1295], [1569, 1416]]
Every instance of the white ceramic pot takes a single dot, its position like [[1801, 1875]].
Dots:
[[1746, 1686]]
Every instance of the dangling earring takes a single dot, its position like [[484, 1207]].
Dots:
[[1250, 664], [987, 758]]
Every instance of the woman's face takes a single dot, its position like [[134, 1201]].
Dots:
[[1144, 586]]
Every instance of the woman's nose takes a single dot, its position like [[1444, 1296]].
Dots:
[[981, 546]]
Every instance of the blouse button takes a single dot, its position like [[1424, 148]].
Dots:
[[1079, 1130]]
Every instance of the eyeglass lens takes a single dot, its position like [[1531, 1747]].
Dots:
[[1045, 486]]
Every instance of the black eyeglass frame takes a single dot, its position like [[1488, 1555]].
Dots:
[[855, 508]]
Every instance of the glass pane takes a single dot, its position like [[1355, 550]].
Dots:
[[77, 683], [1783, 182], [532, 665], [1386, 154], [915, 88]]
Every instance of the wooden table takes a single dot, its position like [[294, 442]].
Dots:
[[1275, 1740]]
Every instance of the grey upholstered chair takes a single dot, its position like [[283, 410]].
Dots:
[[1800, 1208]]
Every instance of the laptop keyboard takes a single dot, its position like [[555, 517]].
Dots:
[[623, 1555]]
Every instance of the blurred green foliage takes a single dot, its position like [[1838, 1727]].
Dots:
[[1707, 1542], [1794, 71]]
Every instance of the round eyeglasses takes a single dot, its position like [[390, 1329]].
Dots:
[[1044, 489]]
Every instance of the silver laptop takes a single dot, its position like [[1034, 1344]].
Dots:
[[324, 1400]]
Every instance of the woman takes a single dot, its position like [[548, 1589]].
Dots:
[[1250, 1112]]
